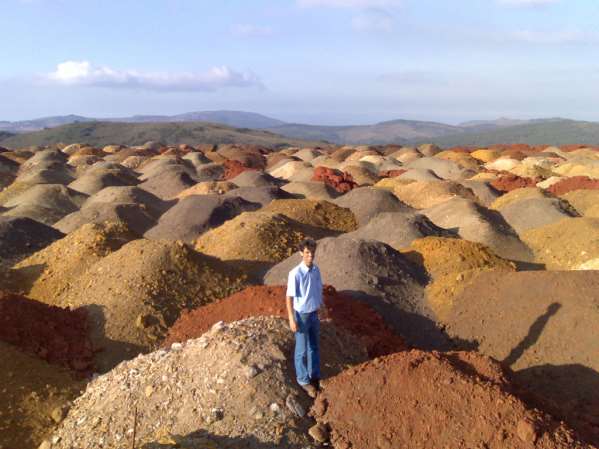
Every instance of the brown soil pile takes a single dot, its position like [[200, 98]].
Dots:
[[135, 294], [49, 273], [425, 194], [524, 193], [509, 182], [452, 264], [566, 244], [56, 335], [256, 239], [322, 214], [32, 394], [235, 383], [432, 400], [582, 200], [544, 325], [341, 182], [233, 168], [574, 183], [391, 173], [348, 313]]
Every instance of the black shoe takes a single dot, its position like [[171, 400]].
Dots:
[[315, 383]]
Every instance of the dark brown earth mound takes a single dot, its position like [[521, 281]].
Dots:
[[574, 183], [56, 335], [544, 325], [432, 400], [341, 182], [355, 316]]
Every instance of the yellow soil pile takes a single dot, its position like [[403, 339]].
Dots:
[[206, 188], [425, 194], [566, 244], [33, 398], [485, 155], [585, 201], [524, 193], [391, 183], [50, 272], [136, 293], [452, 264], [322, 214], [464, 160]]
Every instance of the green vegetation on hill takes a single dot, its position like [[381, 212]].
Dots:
[[561, 132], [106, 133]]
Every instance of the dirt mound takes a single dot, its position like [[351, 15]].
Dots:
[[536, 212], [566, 244], [255, 178], [96, 179], [311, 190], [363, 176], [425, 194], [233, 168], [582, 200], [56, 173], [442, 168], [507, 183], [574, 183], [338, 180], [348, 313], [235, 382], [195, 214], [445, 401], [478, 224], [256, 240], [32, 393], [376, 273], [135, 294], [549, 340], [451, 264], [207, 188], [168, 184], [524, 193], [293, 171], [50, 272], [129, 195], [20, 237], [367, 202], [420, 174], [260, 195], [56, 335], [322, 214], [485, 194]]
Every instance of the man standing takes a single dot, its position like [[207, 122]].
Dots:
[[304, 298]]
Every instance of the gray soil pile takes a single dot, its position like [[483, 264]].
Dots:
[[260, 195], [20, 237], [367, 202], [167, 184], [536, 212], [234, 386], [153, 205]]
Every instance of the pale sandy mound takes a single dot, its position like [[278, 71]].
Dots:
[[565, 244], [520, 194], [208, 188], [391, 183], [322, 214], [425, 194], [582, 200], [443, 168], [234, 386], [536, 212], [464, 160], [484, 192], [51, 272], [452, 264], [294, 171], [311, 190]]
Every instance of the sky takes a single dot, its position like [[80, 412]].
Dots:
[[329, 62]]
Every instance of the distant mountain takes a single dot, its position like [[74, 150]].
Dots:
[[502, 122], [536, 132], [106, 133], [237, 119]]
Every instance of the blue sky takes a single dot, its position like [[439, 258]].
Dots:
[[310, 61]]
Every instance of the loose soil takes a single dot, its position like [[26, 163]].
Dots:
[[322, 214]]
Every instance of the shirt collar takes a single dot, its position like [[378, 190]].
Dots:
[[304, 267]]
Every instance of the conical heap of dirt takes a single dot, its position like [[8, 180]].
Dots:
[[583, 200], [566, 244], [33, 393], [509, 182], [452, 264], [236, 381], [21, 237], [257, 236], [425, 194], [136, 293], [355, 316], [516, 195], [322, 214], [544, 325], [574, 183], [56, 335], [433, 400], [48, 274]]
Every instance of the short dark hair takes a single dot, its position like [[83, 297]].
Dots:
[[307, 243]]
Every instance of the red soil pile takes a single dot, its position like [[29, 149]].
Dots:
[[338, 180], [576, 146], [418, 400], [348, 313], [57, 335], [461, 149], [233, 168], [509, 182], [391, 173], [574, 183]]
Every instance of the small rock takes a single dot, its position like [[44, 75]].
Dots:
[[319, 432], [149, 390], [217, 414], [251, 371], [218, 326], [274, 407], [293, 404], [45, 445], [59, 413], [176, 346], [526, 431]]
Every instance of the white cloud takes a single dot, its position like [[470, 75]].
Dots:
[[350, 3], [375, 20], [83, 73], [247, 30], [526, 3]]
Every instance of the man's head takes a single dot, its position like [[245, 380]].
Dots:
[[307, 248]]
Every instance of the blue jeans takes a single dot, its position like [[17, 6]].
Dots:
[[307, 347]]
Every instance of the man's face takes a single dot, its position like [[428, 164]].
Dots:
[[307, 256]]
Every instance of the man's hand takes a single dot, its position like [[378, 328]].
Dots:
[[292, 325]]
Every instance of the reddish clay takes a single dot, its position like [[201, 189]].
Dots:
[[461, 149], [391, 173], [574, 183], [233, 168], [509, 182], [348, 313], [59, 336], [338, 180]]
